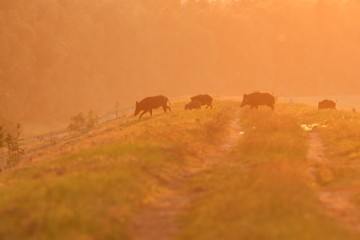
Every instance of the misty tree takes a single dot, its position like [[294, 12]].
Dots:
[[77, 122], [80, 122], [92, 120], [2, 137], [117, 109], [12, 142]]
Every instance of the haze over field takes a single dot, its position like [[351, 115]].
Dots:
[[179, 119], [60, 57]]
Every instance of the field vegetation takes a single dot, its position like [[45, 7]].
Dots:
[[255, 188], [262, 191], [93, 192]]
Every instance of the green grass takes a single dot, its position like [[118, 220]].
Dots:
[[94, 193], [341, 136], [262, 193], [259, 192]]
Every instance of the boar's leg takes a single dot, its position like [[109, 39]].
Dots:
[[166, 108], [142, 114]]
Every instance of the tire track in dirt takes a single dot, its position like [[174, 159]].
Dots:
[[158, 221], [337, 203]]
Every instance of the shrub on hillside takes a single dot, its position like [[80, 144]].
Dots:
[[77, 122], [80, 122], [11, 141]]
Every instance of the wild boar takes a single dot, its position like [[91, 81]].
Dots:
[[193, 105], [326, 104], [204, 99], [148, 104], [256, 99]]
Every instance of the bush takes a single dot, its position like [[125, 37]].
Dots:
[[80, 122], [12, 142]]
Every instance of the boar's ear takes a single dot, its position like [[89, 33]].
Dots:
[[137, 103], [245, 95]]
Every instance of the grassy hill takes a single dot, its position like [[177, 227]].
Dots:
[[212, 174]]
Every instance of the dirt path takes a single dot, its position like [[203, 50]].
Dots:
[[336, 202], [158, 221]]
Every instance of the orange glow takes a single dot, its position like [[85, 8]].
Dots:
[[60, 57]]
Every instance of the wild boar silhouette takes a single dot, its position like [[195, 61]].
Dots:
[[204, 99], [256, 99], [147, 105], [327, 104], [193, 105]]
